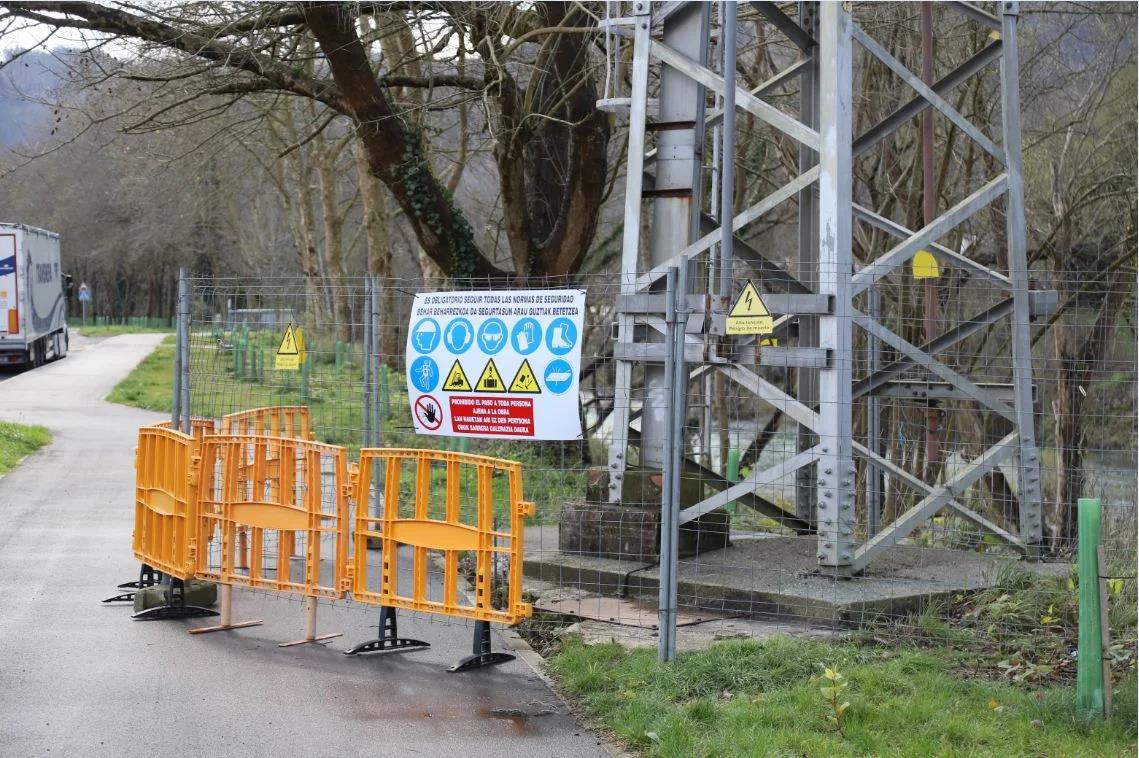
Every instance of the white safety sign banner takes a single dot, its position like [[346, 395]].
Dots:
[[496, 364]]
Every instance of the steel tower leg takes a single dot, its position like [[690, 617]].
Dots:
[[836, 459], [1028, 464]]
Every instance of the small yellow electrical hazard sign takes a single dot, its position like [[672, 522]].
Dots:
[[525, 381], [749, 315], [456, 380], [490, 380], [291, 351]]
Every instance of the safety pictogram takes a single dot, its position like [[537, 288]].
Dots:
[[490, 380], [291, 351], [749, 314], [428, 412], [525, 381], [456, 380]]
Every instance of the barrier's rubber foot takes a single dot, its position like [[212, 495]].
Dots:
[[318, 639], [396, 645], [165, 612], [126, 597], [135, 585], [482, 660], [226, 627]]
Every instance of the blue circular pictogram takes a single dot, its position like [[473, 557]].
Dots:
[[424, 374], [492, 336], [526, 336], [458, 336], [425, 335], [558, 376], [561, 336]]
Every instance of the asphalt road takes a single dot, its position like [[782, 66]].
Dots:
[[80, 678]]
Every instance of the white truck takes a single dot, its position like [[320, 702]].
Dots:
[[33, 296]]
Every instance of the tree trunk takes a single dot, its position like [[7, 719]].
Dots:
[[395, 149]]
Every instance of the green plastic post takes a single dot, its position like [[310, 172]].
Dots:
[[733, 473], [306, 369], [464, 444], [1089, 668]]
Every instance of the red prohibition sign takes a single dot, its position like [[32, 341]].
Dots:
[[429, 412]]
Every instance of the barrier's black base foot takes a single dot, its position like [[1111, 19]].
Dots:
[[387, 645], [482, 660], [126, 597], [389, 640], [481, 656], [147, 577], [167, 612]]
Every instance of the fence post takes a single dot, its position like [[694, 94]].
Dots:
[[184, 347], [373, 359], [176, 394], [366, 440], [676, 371], [1089, 668]]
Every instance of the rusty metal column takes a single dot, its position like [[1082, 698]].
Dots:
[[676, 195], [932, 314]]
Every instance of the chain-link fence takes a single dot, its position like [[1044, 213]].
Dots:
[[750, 561]]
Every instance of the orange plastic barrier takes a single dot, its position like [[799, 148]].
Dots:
[[275, 421], [199, 427], [291, 495], [412, 518], [166, 501]]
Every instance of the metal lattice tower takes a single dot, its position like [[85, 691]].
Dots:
[[825, 297]]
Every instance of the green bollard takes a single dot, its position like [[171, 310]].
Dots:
[[733, 473], [1089, 667], [339, 356], [306, 370]]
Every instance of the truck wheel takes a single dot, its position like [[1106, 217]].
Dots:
[[38, 353]]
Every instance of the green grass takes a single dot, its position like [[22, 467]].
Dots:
[[752, 698], [149, 385], [18, 440], [116, 329], [552, 473]]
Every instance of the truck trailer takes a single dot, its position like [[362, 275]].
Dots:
[[33, 296]]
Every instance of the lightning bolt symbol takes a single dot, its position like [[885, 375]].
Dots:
[[747, 299]]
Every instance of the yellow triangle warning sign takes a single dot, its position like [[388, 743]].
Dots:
[[289, 343], [291, 351], [749, 314], [456, 380], [490, 380], [524, 380]]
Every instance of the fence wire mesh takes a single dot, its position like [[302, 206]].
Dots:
[[751, 566]]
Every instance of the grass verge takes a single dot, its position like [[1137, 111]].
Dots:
[[765, 698], [149, 385], [18, 440], [116, 329]]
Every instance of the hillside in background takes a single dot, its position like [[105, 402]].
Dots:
[[26, 81]]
